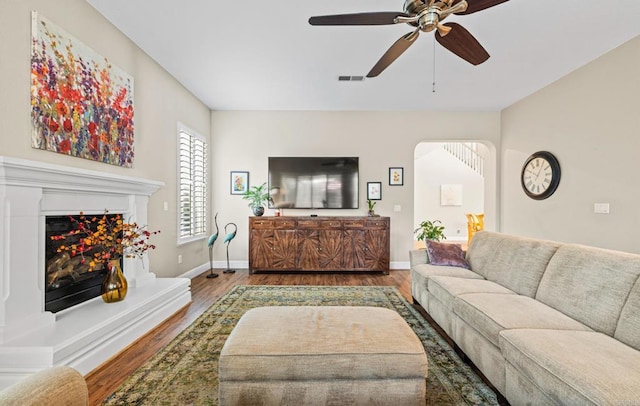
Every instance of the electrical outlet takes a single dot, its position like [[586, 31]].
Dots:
[[180, 258], [601, 208]]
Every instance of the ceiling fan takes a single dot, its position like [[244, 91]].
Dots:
[[427, 16]]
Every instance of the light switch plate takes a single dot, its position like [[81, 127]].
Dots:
[[601, 208]]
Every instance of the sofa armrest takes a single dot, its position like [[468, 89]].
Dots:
[[417, 257], [56, 386]]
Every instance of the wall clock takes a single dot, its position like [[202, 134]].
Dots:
[[540, 175]]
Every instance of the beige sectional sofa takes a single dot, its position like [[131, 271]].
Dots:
[[55, 386], [547, 323]]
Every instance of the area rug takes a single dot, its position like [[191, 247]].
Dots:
[[185, 372]]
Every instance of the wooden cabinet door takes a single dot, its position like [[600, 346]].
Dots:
[[308, 249], [283, 251], [366, 250], [366, 246], [330, 255], [260, 248], [272, 245], [354, 248], [376, 251], [319, 249]]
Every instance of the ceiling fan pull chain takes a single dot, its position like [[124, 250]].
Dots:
[[433, 89]]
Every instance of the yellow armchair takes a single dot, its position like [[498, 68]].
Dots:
[[475, 222]]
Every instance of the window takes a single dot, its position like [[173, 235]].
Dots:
[[192, 179]]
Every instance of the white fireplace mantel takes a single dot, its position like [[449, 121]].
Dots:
[[87, 334], [20, 172]]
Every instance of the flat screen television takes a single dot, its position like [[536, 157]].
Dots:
[[313, 182]]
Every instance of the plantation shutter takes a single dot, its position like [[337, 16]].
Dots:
[[193, 185]]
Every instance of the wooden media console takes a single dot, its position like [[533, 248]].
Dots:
[[319, 244]]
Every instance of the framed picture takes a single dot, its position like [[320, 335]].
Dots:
[[396, 176], [450, 195], [81, 104], [374, 190], [239, 182]]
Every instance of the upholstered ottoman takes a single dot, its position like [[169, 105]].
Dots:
[[322, 355]]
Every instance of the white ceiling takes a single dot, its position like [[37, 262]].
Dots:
[[263, 55]]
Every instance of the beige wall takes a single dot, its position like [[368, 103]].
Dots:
[[589, 120], [160, 102], [244, 140]]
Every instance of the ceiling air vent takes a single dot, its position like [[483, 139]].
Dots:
[[350, 78]]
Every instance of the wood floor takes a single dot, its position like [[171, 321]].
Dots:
[[105, 379]]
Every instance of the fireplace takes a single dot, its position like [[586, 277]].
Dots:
[[69, 278], [34, 336]]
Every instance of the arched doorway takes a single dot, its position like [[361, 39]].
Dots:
[[452, 179]]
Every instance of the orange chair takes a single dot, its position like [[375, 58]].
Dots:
[[475, 222]]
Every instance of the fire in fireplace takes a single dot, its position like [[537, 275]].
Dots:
[[68, 279]]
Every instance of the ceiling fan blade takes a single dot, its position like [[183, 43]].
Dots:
[[462, 43], [479, 5], [393, 53], [376, 18]]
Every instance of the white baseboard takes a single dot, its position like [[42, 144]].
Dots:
[[399, 265], [216, 265], [195, 271], [245, 265]]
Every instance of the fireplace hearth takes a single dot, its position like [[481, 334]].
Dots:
[[35, 335]]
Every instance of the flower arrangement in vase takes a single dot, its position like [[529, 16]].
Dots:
[[103, 241]]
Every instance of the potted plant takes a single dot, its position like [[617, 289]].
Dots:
[[371, 204], [430, 230], [257, 197]]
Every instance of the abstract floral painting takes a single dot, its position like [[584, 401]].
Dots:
[[81, 104]]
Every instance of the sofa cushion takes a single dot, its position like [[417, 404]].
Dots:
[[427, 271], [496, 256], [589, 284], [421, 273], [628, 328], [446, 288], [575, 367], [446, 254], [490, 313]]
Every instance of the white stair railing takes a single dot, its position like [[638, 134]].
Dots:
[[467, 153]]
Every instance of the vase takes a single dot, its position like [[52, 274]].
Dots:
[[114, 285], [258, 210]]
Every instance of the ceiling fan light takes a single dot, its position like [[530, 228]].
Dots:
[[460, 7], [443, 29]]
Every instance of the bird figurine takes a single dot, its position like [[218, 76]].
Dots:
[[210, 243], [227, 240]]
